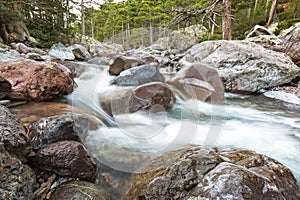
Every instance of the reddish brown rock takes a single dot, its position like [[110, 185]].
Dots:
[[198, 81], [36, 81], [211, 173], [122, 63], [147, 96], [66, 158], [68, 126]]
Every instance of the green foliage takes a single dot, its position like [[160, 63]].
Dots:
[[286, 24], [51, 21]]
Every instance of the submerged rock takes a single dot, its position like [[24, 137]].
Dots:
[[79, 190], [66, 158], [61, 52], [139, 75], [244, 66], [211, 173], [198, 81], [122, 63], [36, 81], [12, 134], [69, 126], [283, 96], [16, 179], [145, 97]]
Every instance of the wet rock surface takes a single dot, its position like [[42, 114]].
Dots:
[[211, 173], [36, 81], [68, 126], [66, 158], [76, 68], [199, 81], [79, 190], [156, 97], [139, 75], [12, 134], [244, 66], [16, 179], [122, 63]]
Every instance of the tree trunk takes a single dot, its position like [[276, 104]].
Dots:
[[82, 19], [272, 12], [227, 20]]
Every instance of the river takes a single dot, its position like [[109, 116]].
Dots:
[[125, 142]]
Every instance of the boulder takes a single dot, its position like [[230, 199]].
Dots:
[[36, 81], [142, 55], [5, 87], [61, 52], [68, 126], [271, 42], [122, 63], [99, 61], [211, 173], [291, 40], [244, 66], [13, 135], [80, 52], [181, 40], [139, 75], [17, 181], [144, 97], [199, 81], [284, 96], [79, 190], [76, 68], [22, 48], [66, 158]]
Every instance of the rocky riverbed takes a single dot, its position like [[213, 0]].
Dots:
[[63, 112]]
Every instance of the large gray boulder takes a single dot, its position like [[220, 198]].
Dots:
[[210, 173], [180, 40], [244, 66], [61, 52], [80, 52], [139, 75]]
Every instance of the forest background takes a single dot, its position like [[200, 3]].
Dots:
[[51, 21]]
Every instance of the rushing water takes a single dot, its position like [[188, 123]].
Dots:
[[125, 141]]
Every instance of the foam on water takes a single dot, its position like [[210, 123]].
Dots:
[[274, 133]]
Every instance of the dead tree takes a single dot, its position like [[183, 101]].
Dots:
[[272, 12], [226, 20]]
